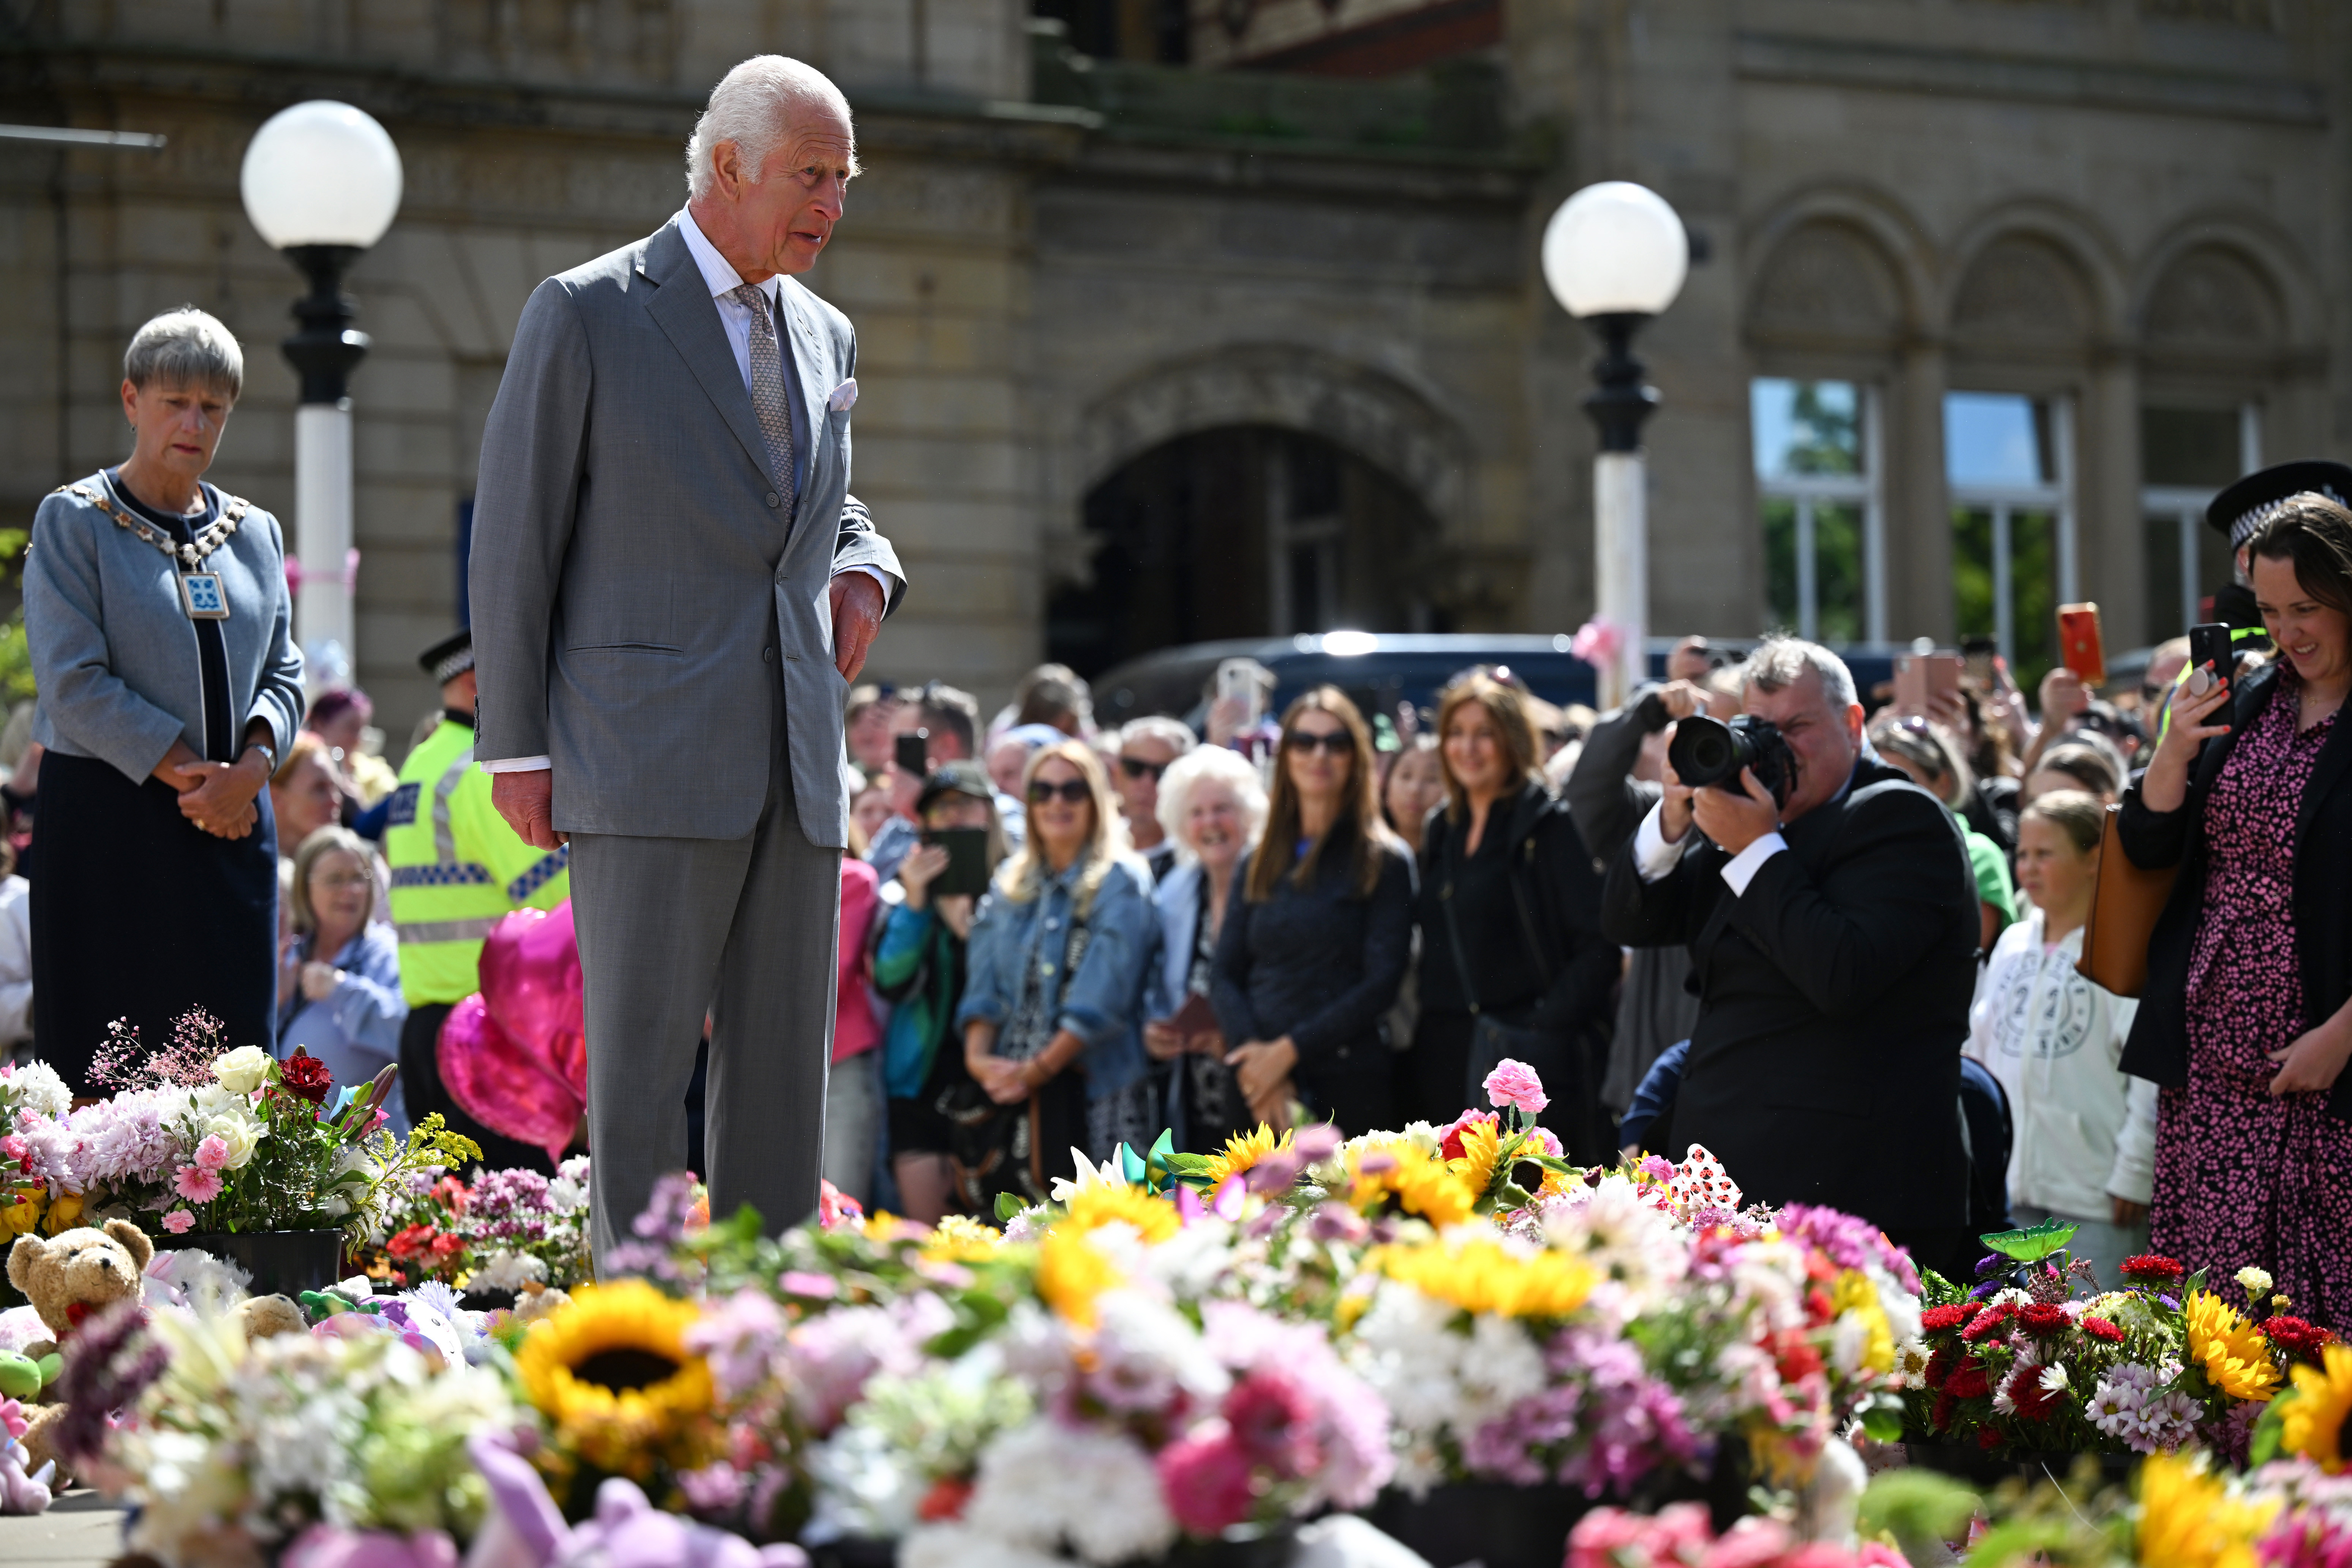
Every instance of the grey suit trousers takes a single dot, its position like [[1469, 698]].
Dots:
[[749, 929]]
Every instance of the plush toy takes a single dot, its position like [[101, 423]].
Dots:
[[265, 1317], [67, 1278]]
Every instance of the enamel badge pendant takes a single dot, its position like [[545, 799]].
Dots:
[[201, 595]]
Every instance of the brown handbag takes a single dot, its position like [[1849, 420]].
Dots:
[[2124, 911]]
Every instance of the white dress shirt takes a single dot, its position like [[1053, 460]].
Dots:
[[1656, 859], [735, 320]]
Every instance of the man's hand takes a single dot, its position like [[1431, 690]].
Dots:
[[2124, 1212], [1736, 821], [1681, 699], [526, 801], [1675, 817], [857, 616]]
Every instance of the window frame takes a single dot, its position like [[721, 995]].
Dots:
[[2055, 497], [2186, 505], [1865, 491]]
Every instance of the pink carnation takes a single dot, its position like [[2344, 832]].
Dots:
[[212, 1154], [196, 1185], [179, 1222], [1205, 1479], [1514, 1085]]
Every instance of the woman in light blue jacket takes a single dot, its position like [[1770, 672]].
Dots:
[[160, 634], [1052, 1003], [339, 994], [1212, 808]]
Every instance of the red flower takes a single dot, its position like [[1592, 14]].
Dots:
[[945, 1501], [416, 1238], [2033, 1401], [1450, 1141], [446, 1246], [1939, 1365], [2043, 1317], [2153, 1269], [1987, 1321], [306, 1077], [2100, 1329], [1936, 1319], [1988, 1438], [1946, 1407], [2296, 1338], [1968, 1380]]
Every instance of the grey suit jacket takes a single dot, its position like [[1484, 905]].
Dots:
[[114, 653], [635, 579]]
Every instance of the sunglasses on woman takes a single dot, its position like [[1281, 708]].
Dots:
[[1335, 743], [1140, 768], [1074, 791]]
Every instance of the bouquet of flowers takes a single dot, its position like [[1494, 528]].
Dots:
[[34, 1092], [2020, 1364], [508, 1230]]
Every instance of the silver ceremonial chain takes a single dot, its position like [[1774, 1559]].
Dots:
[[188, 557]]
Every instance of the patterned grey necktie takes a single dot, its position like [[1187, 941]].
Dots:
[[767, 397]]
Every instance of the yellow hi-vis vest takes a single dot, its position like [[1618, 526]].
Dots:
[[456, 867]]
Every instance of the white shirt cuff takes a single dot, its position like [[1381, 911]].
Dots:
[[516, 765], [881, 581], [1653, 857], [1741, 868]]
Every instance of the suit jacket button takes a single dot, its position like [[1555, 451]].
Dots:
[[775, 500], [767, 655]]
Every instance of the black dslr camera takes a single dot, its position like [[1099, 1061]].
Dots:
[[1706, 751]]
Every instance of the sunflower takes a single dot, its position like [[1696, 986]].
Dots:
[[1482, 1151], [1242, 1151], [2314, 1415], [1418, 1180], [1071, 1274], [611, 1371], [2232, 1349], [960, 1238], [1154, 1219], [1485, 1276], [2188, 1520]]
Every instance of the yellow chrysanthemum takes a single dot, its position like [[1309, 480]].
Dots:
[[2236, 1359], [65, 1213], [1419, 1182], [1485, 1276], [1071, 1274], [612, 1373], [2315, 1416], [882, 1226], [1091, 1208], [1482, 1149], [2188, 1520], [1854, 1293], [1242, 1151], [960, 1238]]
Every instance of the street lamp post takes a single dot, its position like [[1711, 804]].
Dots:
[[1615, 255], [321, 181]]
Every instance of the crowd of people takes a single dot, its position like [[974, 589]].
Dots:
[[1853, 975]]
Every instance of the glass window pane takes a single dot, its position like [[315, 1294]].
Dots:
[[1779, 564], [2161, 550], [1996, 438], [1837, 558], [2196, 449], [2033, 595], [1806, 427], [1972, 572]]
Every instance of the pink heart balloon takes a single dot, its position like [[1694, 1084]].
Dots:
[[513, 1054]]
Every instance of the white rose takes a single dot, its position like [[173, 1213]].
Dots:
[[240, 1133], [242, 1071], [39, 1088]]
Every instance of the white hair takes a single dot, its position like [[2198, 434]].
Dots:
[[1172, 733], [186, 347], [1184, 778], [754, 106], [1778, 662]]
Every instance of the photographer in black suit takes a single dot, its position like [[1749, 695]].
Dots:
[[1833, 938]]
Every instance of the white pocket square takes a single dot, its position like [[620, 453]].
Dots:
[[843, 396]]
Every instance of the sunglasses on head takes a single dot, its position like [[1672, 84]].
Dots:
[[1335, 743], [1138, 768], [1074, 791]]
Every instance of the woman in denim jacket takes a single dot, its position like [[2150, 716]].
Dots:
[[1058, 959]]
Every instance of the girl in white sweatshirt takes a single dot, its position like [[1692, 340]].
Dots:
[[2084, 1134]]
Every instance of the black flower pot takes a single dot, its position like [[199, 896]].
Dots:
[[1493, 1522], [856, 1552], [1967, 1462], [1247, 1547], [282, 1262]]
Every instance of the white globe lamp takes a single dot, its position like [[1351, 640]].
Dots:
[[1615, 249]]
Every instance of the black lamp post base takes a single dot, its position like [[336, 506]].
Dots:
[[1621, 403]]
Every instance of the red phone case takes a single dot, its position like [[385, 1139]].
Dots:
[[2081, 646]]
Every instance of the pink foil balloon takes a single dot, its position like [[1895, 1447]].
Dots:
[[513, 1054]]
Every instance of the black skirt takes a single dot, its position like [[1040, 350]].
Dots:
[[137, 913]]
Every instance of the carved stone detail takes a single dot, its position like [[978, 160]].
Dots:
[[1827, 281], [2210, 298], [2024, 292]]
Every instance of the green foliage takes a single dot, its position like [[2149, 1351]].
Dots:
[[2033, 1243], [1915, 1506]]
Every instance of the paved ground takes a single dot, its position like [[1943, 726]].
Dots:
[[82, 1529]]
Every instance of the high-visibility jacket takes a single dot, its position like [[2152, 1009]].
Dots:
[[456, 867]]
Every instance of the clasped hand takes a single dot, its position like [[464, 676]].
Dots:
[[217, 797]]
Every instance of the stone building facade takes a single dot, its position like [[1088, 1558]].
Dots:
[[1230, 322]]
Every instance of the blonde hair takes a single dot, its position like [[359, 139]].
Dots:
[[325, 841], [305, 744], [1022, 878], [2077, 814]]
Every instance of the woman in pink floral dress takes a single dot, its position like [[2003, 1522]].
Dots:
[[2246, 1021]]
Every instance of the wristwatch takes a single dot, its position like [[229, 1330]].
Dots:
[[269, 752]]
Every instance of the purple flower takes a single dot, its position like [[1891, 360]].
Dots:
[[1847, 1241]]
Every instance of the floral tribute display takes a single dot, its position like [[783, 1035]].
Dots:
[[1174, 1355], [2020, 1363], [197, 1139]]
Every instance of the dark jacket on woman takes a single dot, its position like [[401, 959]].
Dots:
[[1320, 964], [2158, 1049], [1526, 909]]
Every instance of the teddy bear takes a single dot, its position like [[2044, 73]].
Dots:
[[67, 1278]]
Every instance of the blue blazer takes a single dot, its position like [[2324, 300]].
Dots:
[[115, 654]]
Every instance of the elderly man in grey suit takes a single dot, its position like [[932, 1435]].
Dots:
[[672, 589]]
